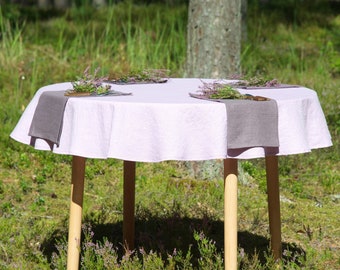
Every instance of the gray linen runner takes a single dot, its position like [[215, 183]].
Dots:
[[251, 123], [47, 122]]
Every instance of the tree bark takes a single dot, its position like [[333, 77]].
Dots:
[[44, 4], [213, 51], [62, 4], [214, 38]]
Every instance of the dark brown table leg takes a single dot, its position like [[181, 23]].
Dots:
[[272, 171], [76, 206], [230, 214], [129, 205]]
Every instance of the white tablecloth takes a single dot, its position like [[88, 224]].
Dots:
[[161, 122]]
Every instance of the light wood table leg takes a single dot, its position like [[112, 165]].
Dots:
[[272, 171], [230, 214], [74, 233], [129, 205]]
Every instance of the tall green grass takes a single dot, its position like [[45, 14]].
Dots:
[[179, 219]]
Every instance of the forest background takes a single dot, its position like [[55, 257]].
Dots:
[[179, 219]]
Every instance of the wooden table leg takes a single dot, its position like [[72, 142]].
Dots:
[[74, 233], [272, 171], [129, 205], [230, 214]]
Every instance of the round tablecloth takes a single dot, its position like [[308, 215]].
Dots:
[[162, 122]]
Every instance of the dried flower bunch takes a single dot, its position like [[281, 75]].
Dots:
[[217, 90], [146, 76], [256, 81], [89, 84]]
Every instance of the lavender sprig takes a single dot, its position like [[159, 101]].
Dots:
[[90, 83], [217, 90], [257, 81], [147, 75]]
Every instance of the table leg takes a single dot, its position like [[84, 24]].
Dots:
[[129, 204], [230, 214], [77, 191], [272, 171]]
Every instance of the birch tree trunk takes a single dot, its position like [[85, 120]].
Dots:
[[213, 51]]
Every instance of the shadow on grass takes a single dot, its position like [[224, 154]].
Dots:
[[165, 235]]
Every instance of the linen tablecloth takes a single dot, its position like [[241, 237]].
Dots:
[[162, 122]]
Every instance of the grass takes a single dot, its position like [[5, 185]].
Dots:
[[179, 220]]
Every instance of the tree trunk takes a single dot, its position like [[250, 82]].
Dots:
[[44, 4], [62, 4], [213, 51], [214, 38]]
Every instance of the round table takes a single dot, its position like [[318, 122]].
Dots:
[[159, 122]]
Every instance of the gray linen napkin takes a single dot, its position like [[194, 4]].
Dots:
[[251, 123], [48, 118]]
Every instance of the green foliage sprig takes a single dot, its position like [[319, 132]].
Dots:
[[90, 83], [257, 81], [147, 75], [217, 90]]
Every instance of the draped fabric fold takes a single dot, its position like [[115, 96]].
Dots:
[[48, 118], [252, 123]]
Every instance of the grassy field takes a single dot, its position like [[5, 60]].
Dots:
[[179, 219]]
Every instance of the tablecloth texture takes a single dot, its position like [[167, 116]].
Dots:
[[162, 122]]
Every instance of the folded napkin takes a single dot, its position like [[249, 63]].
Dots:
[[48, 118]]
